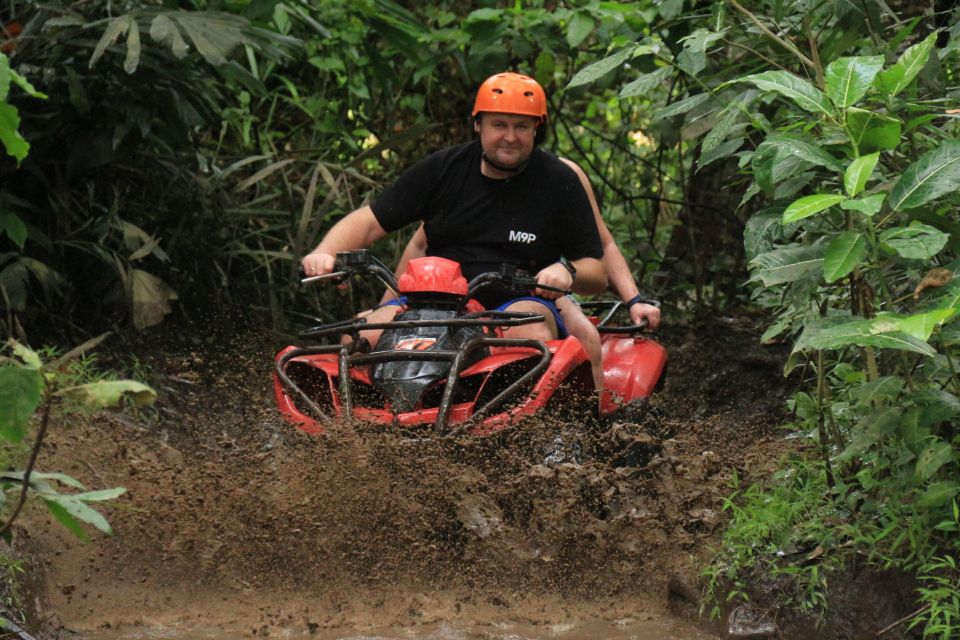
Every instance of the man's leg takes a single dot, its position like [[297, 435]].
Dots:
[[580, 327], [546, 330], [383, 313]]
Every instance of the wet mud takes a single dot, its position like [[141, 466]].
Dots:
[[235, 523]]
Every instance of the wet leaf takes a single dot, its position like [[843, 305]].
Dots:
[[149, 298], [804, 94], [856, 176], [108, 393], [934, 456], [20, 392], [810, 205], [844, 254], [872, 131], [868, 206], [602, 67], [115, 28], [916, 242], [849, 78], [934, 174], [938, 494], [901, 74], [787, 264]]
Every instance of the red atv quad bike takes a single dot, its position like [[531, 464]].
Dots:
[[443, 365]]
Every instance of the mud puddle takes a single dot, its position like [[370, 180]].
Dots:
[[235, 524], [650, 628]]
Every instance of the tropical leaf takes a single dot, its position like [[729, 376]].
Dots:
[[856, 176], [901, 74], [108, 393], [580, 26], [844, 253], [646, 83], [862, 332], [681, 106], [916, 242], [13, 142], [867, 206], [115, 28], [933, 457], [787, 264], [871, 131], [20, 392], [918, 325], [934, 174], [804, 94], [693, 58], [938, 494], [601, 67], [810, 205], [149, 298], [164, 31], [849, 78]]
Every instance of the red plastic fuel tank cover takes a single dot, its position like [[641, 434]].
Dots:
[[433, 274]]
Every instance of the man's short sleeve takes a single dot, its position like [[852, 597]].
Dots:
[[405, 200]]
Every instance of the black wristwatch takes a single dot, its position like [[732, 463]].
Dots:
[[640, 298], [570, 268]]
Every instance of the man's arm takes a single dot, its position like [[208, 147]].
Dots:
[[358, 230], [617, 269], [416, 248]]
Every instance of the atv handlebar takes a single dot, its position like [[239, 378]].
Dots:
[[362, 263]]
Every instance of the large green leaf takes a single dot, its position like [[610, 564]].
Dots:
[[934, 174], [578, 28], [20, 392], [849, 78], [646, 83], [79, 510], [787, 264], [13, 142], [804, 94], [938, 494], [916, 242], [844, 254], [856, 176], [867, 206], [681, 106], [896, 78], [918, 325], [871, 131], [810, 205], [863, 332], [601, 67], [781, 157], [933, 457], [115, 28], [107, 393], [693, 58], [63, 516]]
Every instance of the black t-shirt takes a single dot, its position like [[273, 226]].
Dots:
[[529, 220]]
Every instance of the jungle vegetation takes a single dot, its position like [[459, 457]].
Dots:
[[799, 156]]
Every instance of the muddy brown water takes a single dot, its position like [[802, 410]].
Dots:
[[236, 525]]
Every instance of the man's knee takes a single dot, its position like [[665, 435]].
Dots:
[[546, 330]]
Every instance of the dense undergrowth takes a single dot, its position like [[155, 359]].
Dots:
[[195, 154]]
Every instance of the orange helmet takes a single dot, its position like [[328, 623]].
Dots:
[[511, 93]]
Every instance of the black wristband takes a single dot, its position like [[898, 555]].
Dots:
[[569, 267], [640, 298]]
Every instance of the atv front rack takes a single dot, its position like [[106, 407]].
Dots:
[[348, 357]]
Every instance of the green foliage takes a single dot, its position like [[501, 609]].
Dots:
[[29, 385], [851, 161]]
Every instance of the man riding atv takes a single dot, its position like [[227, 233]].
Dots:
[[499, 200]]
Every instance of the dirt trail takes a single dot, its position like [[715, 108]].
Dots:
[[235, 521]]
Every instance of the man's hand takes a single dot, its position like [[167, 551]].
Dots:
[[556, 275], [640, 311], [317, 264]]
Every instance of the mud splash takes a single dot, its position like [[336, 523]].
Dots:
[[236, 523]]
